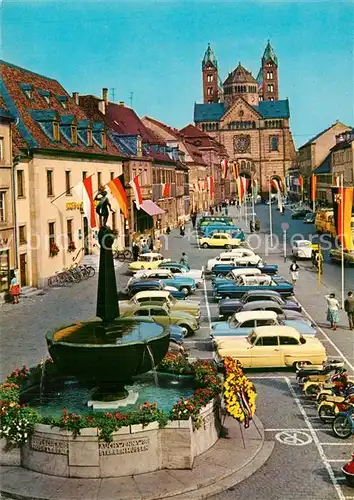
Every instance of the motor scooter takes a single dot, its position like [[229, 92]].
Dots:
[[305, 371], [314, 384], [343, 424], [332, 405], [340, 385]]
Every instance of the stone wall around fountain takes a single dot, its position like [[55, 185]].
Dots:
[[134, 449]]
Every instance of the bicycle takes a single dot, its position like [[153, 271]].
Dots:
[[123, 255]]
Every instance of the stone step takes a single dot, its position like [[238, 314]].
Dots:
[[29, 291]]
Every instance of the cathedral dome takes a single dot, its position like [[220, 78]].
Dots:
[[240, 75]]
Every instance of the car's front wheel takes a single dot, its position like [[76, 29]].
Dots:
[[189, 330], [205, 245], [186, 290]]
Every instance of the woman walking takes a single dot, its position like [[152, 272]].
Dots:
[[14, 288], [294, 271], [332, 310]]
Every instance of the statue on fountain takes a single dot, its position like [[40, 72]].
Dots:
[[103, 206]]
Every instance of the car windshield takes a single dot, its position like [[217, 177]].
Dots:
[[252, 337], [303, 244], [144, 258], [172, 299]]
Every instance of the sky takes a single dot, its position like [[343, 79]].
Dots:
[[151, 51]]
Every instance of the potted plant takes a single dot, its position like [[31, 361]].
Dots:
[[53, 250], [71, 246], [348, 471]]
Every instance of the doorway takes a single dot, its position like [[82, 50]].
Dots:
[[23, 269], [86, 237]]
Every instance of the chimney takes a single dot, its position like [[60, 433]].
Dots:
[[105, 96], [121, 103], [102, 106], [76, 97]]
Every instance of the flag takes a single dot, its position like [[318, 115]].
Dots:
[[301, 183], [240, 188], [135, 185], [210, 180], [313, 187], [166, 190], [84, 191], [118, 192], [236, 169], [224, 168], [275, 183], [342, 206], [196, 187], [255, 188], [201, 185]]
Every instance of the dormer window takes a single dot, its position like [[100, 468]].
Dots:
[[27, 89], [89, 137], [74, 134], [103, 140], [45, 94], [56, 131], [63, 100]]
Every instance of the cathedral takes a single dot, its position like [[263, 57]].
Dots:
[[245, 114]]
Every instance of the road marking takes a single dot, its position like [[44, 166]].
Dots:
[[327, 337], [320, 450], [345, 460], [286, 430], [294, 438], [206, 299], [336, 444]]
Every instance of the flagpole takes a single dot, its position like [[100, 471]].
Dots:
[[252, 192], [342, 248], [270, 216], [313, 193], [69, 190]]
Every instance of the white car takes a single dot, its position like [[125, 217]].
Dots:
[[302, 249], [179, 270], [243, 257]]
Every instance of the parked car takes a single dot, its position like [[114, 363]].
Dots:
[[159, 297], [222, 240], [138, 286], [272, 347], [167, 316], [229, 306], [271, 305], [246, 283], [242, 323], [220, 270], [179, 269], [309, 218], [300, 214], [238, 256], [234, 275], [234, 231], [183, 284], [336, 256], [302, 249], [212, 219], [148, 260]]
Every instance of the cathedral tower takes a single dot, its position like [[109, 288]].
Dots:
[[210, 77], [268, 75]]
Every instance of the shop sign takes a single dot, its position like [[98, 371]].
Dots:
[[77, 205]]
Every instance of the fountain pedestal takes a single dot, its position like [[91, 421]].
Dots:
[[131, 399]]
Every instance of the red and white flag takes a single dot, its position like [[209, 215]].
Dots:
[[135, 185], [84, 191], [276, 184], [166, 190], [210, 180], [224, 168], [240, 188]]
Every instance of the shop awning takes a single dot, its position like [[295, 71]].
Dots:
[[151, 208]]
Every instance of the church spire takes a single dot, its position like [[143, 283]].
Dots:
[[209, 56], [269, 54]]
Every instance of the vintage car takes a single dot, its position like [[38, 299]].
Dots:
[[302, 249], [139, 286], [178, 269], [270, 305], [242, 323], [222, 240], [336, 256], [212, 219], [237, 256], [165, 315], [148, 260], [246, 283], [300, 214], [309, 218], [186, 285], [222, 269], [272, 347], [236, 273], [159, 297], [233, 231], [229, 306]]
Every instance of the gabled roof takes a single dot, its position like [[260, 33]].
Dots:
[[240, 75], [273, 109], [325, 167], [171, 130], [30, 97], [344, 140], [313, 139], [208, 112], [209, 56]]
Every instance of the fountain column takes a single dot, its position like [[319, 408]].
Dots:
[[107, 297]]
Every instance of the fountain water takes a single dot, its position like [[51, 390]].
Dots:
[[154, 371], [41, 383]]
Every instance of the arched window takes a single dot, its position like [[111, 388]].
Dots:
[[248, 165], [273, 143], [253, 124], [243, 164]]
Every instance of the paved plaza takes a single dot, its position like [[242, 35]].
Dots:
[[306, 459]]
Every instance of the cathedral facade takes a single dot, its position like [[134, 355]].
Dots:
[[245, 114]]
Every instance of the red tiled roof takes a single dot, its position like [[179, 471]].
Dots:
[[171, 130], [12, 77]]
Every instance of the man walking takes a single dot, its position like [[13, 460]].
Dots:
[[349, 309]]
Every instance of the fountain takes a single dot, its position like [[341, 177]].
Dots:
[[107, 354]]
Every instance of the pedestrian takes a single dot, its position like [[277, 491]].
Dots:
[[158, 245], [168, 230], [251, 226], [135, 251], [294, 271], [145, 247], [194, 219], [211, 210], [15, 289], [151, 245], [349, 309], [332, 310], [184, 259], [182, 229]]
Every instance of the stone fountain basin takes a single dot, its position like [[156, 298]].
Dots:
[[93, 352]]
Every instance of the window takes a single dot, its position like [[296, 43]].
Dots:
[[51, 233], [158, 312], [288, 341], [270, 87], [209, 78], [247, 324], [112, 175], [67, 182], [22, 235], [142, 312], [269, 75], [56, 131], [270, 341], [2, 206], [20, 184], [28, 93], [271, 98], [1, 148], [274, 143], [74, 134], [99, 179], [210, 91], [89, 137], [265, 322], [69, 230], [46, 98], [84, 175], [103, 140], [50, 183]]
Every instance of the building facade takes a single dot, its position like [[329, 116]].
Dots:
[[59, 146], [247, 117], [342, 158]]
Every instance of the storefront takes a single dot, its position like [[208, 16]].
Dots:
[[4, 270]]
